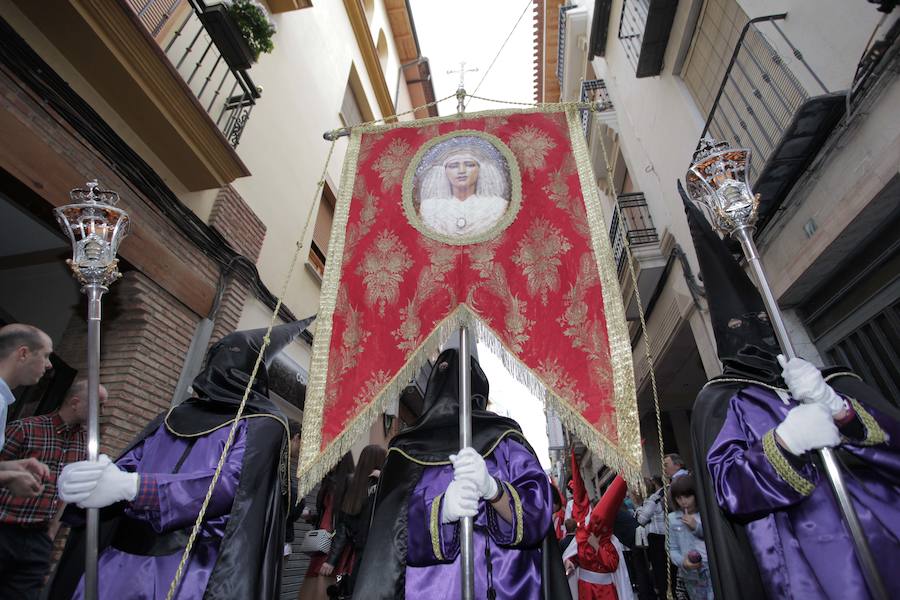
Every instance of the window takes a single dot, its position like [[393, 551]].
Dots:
[[318, 249], [715, 38], [354, 108]]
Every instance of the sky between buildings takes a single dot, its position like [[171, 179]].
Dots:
[[452, 31]]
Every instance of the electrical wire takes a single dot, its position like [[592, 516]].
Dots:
[[502, 46]]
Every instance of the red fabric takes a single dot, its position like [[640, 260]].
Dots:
[[547, 312], [581, 504], [559, 523], [604, 514], [596, 591]]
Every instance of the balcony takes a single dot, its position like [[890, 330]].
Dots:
[[636, 226], [644, 29], [214, 70], [571, 58], [599, 123], [783, 116], [595, 92], [156, 66]]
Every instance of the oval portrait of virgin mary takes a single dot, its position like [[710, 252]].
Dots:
[[462, 188]]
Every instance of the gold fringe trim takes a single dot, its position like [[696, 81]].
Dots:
[[520, 513], [438, 463], [436, 527], [874, 433], [312, 471], [628, 427], [774, 387], [783, 467], [549, 108], [314, 405]]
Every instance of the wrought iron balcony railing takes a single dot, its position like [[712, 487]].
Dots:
[[203, 45], [594, 91], [637, 227], [763, 105]]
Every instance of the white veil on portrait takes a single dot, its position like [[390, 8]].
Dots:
[[492, 177]]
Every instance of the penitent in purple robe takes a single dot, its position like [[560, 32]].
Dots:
[[801, 545], [433, 569], [124, 576]]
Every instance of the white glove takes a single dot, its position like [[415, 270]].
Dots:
[[807, 427], [468, 465], [78, 479], [808, 386], [460, 500], [114, 486]]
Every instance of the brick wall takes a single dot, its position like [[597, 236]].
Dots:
[[145, 334], [237, 222]]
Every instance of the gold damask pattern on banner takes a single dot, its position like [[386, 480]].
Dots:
[[383, 269], [493, 279], [392, 164], [538, 255], [531, 145], [548, 379]]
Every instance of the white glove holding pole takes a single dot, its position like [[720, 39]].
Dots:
[[460, 500], [807, 385], [807, 427], [114, 486], [469, 465], [78, 479]]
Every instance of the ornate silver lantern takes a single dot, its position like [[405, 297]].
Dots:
[[95, 228], [717, 182]]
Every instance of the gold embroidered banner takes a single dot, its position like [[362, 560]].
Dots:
[[491, 220]]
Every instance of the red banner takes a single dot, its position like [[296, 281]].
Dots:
[[493, 221]]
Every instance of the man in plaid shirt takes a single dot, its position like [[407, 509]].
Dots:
[[28, 525]]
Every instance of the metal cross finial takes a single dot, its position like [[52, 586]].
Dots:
[[461, 89], [462, 73]]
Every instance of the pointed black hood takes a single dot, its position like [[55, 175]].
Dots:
[[435, 434], [219, 388], [745, 340]]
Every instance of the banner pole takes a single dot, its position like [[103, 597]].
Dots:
[[466, 524]]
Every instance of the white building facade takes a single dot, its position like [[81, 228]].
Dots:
[[811, 89]]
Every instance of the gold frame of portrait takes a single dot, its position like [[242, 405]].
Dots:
[[515, 190]]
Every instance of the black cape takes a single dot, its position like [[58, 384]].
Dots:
[[432, 439], [731, 560], [250, 554]]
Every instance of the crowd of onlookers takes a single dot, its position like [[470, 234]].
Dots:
[[639, 528], [33, 451], [684, 564]]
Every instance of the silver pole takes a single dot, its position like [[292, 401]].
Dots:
[[466, 524], [832, 470], [94, 293]]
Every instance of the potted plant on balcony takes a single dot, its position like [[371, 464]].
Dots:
[[241, 29]]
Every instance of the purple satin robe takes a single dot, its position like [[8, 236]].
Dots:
[[124, 576], [433, 569], [801, 545]]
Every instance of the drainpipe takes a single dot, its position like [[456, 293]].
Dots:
[[401, 76]]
